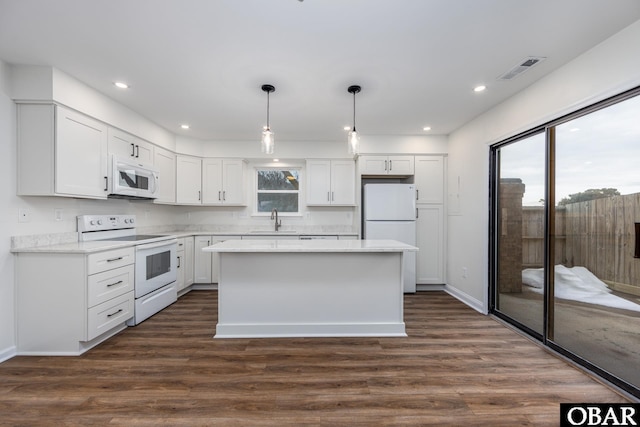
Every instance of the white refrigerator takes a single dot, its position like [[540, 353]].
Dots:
[[389, 212]]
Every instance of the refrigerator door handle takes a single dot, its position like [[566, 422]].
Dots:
[[417, 215]]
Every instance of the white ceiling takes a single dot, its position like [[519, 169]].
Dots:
[[202, 62]]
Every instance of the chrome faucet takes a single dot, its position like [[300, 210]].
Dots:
[[274, 215]]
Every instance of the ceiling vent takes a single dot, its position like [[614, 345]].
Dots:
[[524, 65]]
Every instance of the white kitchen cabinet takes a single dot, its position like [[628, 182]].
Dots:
[[69, 302], [210, 181], [165, 165], [430, 240], [429, 179], [188, 261], [331, 182], [223, 181], [386, 165], [180, 270], [188, 180], [205, 263], [61, 153], [130, 148], [185, 263]]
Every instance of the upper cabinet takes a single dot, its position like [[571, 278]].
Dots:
[[60, 152], [223, 181], [331, 182], [130, 148], [165, 163], [386, 165], [188, 180], [429, 179], [210, 181]]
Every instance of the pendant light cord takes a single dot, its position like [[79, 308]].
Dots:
[[354, 111], [268, 128]]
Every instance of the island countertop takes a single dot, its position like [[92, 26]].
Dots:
[[270, 246]]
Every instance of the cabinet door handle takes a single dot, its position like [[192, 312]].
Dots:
[[113, 314], [417, 194], [328, 196], [219, 196], [332, 196], [179, 262], [199, 195], [137, 151], [224, 195], [385, 165], [114, 284], [133, 149], [106, 183], [114, 259], [390, 165], [417, 215]]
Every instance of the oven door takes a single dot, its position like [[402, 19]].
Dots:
[[155, 266]]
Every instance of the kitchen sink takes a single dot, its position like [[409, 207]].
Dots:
[[272, 232]]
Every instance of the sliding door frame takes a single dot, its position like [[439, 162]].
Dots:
[[547, 337]]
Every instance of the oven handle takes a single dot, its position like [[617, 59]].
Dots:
[[157, 244]]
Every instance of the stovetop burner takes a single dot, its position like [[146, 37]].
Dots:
[[118, 228], [134, 238]]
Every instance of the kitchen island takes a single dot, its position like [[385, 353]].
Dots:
[[310, 288]]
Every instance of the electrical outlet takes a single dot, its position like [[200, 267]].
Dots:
[[24, 215], [464, 272], [57, 214]]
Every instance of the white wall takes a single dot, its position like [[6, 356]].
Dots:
[[8, 203], [603, 71]]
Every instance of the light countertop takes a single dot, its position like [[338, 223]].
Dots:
[[255, 246]]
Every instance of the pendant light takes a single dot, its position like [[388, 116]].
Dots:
[[353, 141], [268, 142]]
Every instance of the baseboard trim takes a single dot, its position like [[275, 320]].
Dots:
[[8, 353], [466, 299]]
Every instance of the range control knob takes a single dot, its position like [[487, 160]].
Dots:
[[99, 222]]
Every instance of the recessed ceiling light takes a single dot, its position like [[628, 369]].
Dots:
[[121, 85], [479, 88], [185, 126], [426, 128]]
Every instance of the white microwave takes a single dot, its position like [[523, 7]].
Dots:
[[129, 180]]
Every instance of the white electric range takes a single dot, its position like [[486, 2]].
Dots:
[[155, 260]]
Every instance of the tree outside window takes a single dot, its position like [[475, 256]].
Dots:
[[278, 189]]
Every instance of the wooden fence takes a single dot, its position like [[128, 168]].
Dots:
[[599, 235]]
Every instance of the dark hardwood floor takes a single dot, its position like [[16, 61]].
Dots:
[[457, 367]]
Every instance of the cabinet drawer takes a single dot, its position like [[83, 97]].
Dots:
[[107, 315], [103, 261], [110, 284]]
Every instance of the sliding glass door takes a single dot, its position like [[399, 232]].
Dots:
[[519, 223], [597, 284], [566, 236]]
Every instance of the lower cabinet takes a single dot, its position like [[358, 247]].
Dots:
[[430, 240], [185, 263], [70, 302], [206, 264]]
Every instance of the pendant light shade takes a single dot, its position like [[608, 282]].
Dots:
[[268, 142], [353, 140]]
